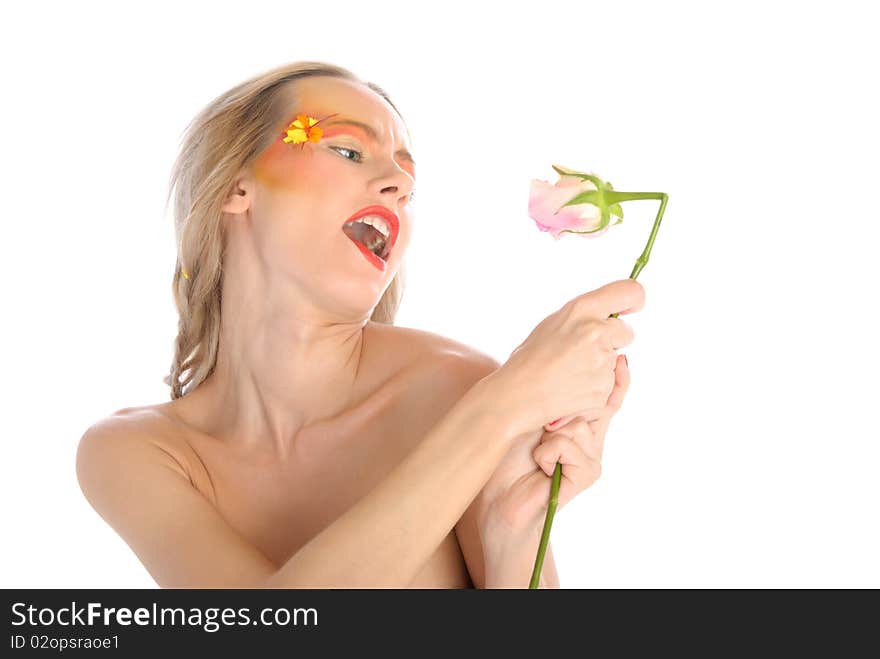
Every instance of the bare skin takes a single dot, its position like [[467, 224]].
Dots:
[[280, 503]]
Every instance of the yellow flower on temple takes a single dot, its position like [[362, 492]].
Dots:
[[303, 130]]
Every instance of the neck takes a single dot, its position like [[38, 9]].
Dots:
[[273, 379]]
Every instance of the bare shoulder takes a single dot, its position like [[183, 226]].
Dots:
[[141, 489], [118, 462], [131, 436], [440, 355]]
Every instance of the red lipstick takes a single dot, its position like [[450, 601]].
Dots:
[[393, 231], [385, 213]]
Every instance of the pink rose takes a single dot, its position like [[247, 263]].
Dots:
[[547, 209]]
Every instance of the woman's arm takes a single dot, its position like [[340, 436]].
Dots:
[[384, 540]]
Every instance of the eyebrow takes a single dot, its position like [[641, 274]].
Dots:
[[370, 131]]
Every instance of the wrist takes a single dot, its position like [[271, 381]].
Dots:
[[508, 549], [510, 569], [492, 396]]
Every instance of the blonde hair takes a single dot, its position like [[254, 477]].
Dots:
[[222, 139]]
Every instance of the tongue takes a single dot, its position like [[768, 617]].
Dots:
[[362, 233]]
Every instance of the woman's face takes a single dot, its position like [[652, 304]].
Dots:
[[303, 194]]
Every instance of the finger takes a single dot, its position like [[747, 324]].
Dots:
[[590, 414], [620, 333], [559, 423], [557, 448], [623, 296], [579, 471], [615, 400], [621, 384], [579, 430]]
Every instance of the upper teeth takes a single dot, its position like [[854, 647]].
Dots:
[[378, 223]]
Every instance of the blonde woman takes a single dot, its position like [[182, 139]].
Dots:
[[308, 441]]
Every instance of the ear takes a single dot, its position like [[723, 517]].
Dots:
[[239, 199]]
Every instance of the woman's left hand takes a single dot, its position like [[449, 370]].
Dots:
[[514, 500]]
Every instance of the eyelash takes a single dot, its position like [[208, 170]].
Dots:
[[412, 193], [343, 148]]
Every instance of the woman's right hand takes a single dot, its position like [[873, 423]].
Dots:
[[566, 365]]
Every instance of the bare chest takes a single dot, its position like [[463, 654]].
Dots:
[[279, 504]]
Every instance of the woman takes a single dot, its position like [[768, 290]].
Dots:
[[308, 441]]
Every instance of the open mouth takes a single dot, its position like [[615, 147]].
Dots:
[[368, 236]]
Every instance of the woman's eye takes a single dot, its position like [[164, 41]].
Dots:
[[342, 148]]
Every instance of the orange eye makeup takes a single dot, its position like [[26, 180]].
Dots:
[[275, 166], [361, 130]]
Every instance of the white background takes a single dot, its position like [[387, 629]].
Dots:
[[746, 453]]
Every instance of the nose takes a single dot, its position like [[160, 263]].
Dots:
[[397, 182]]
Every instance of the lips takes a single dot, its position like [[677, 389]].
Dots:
[[384, 213]]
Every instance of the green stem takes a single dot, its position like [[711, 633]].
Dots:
[[611, 197], [548, 522]]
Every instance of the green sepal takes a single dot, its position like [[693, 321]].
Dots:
[[587, 197], [563, 171], [595, 197]]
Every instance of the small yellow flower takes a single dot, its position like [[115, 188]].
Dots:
[[185, 275], [303, 130]]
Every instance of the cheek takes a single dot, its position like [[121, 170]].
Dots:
[[290, 167]]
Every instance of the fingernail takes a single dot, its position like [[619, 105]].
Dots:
[[626, 360]]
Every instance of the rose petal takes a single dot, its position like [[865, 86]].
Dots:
[[546, 203]]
